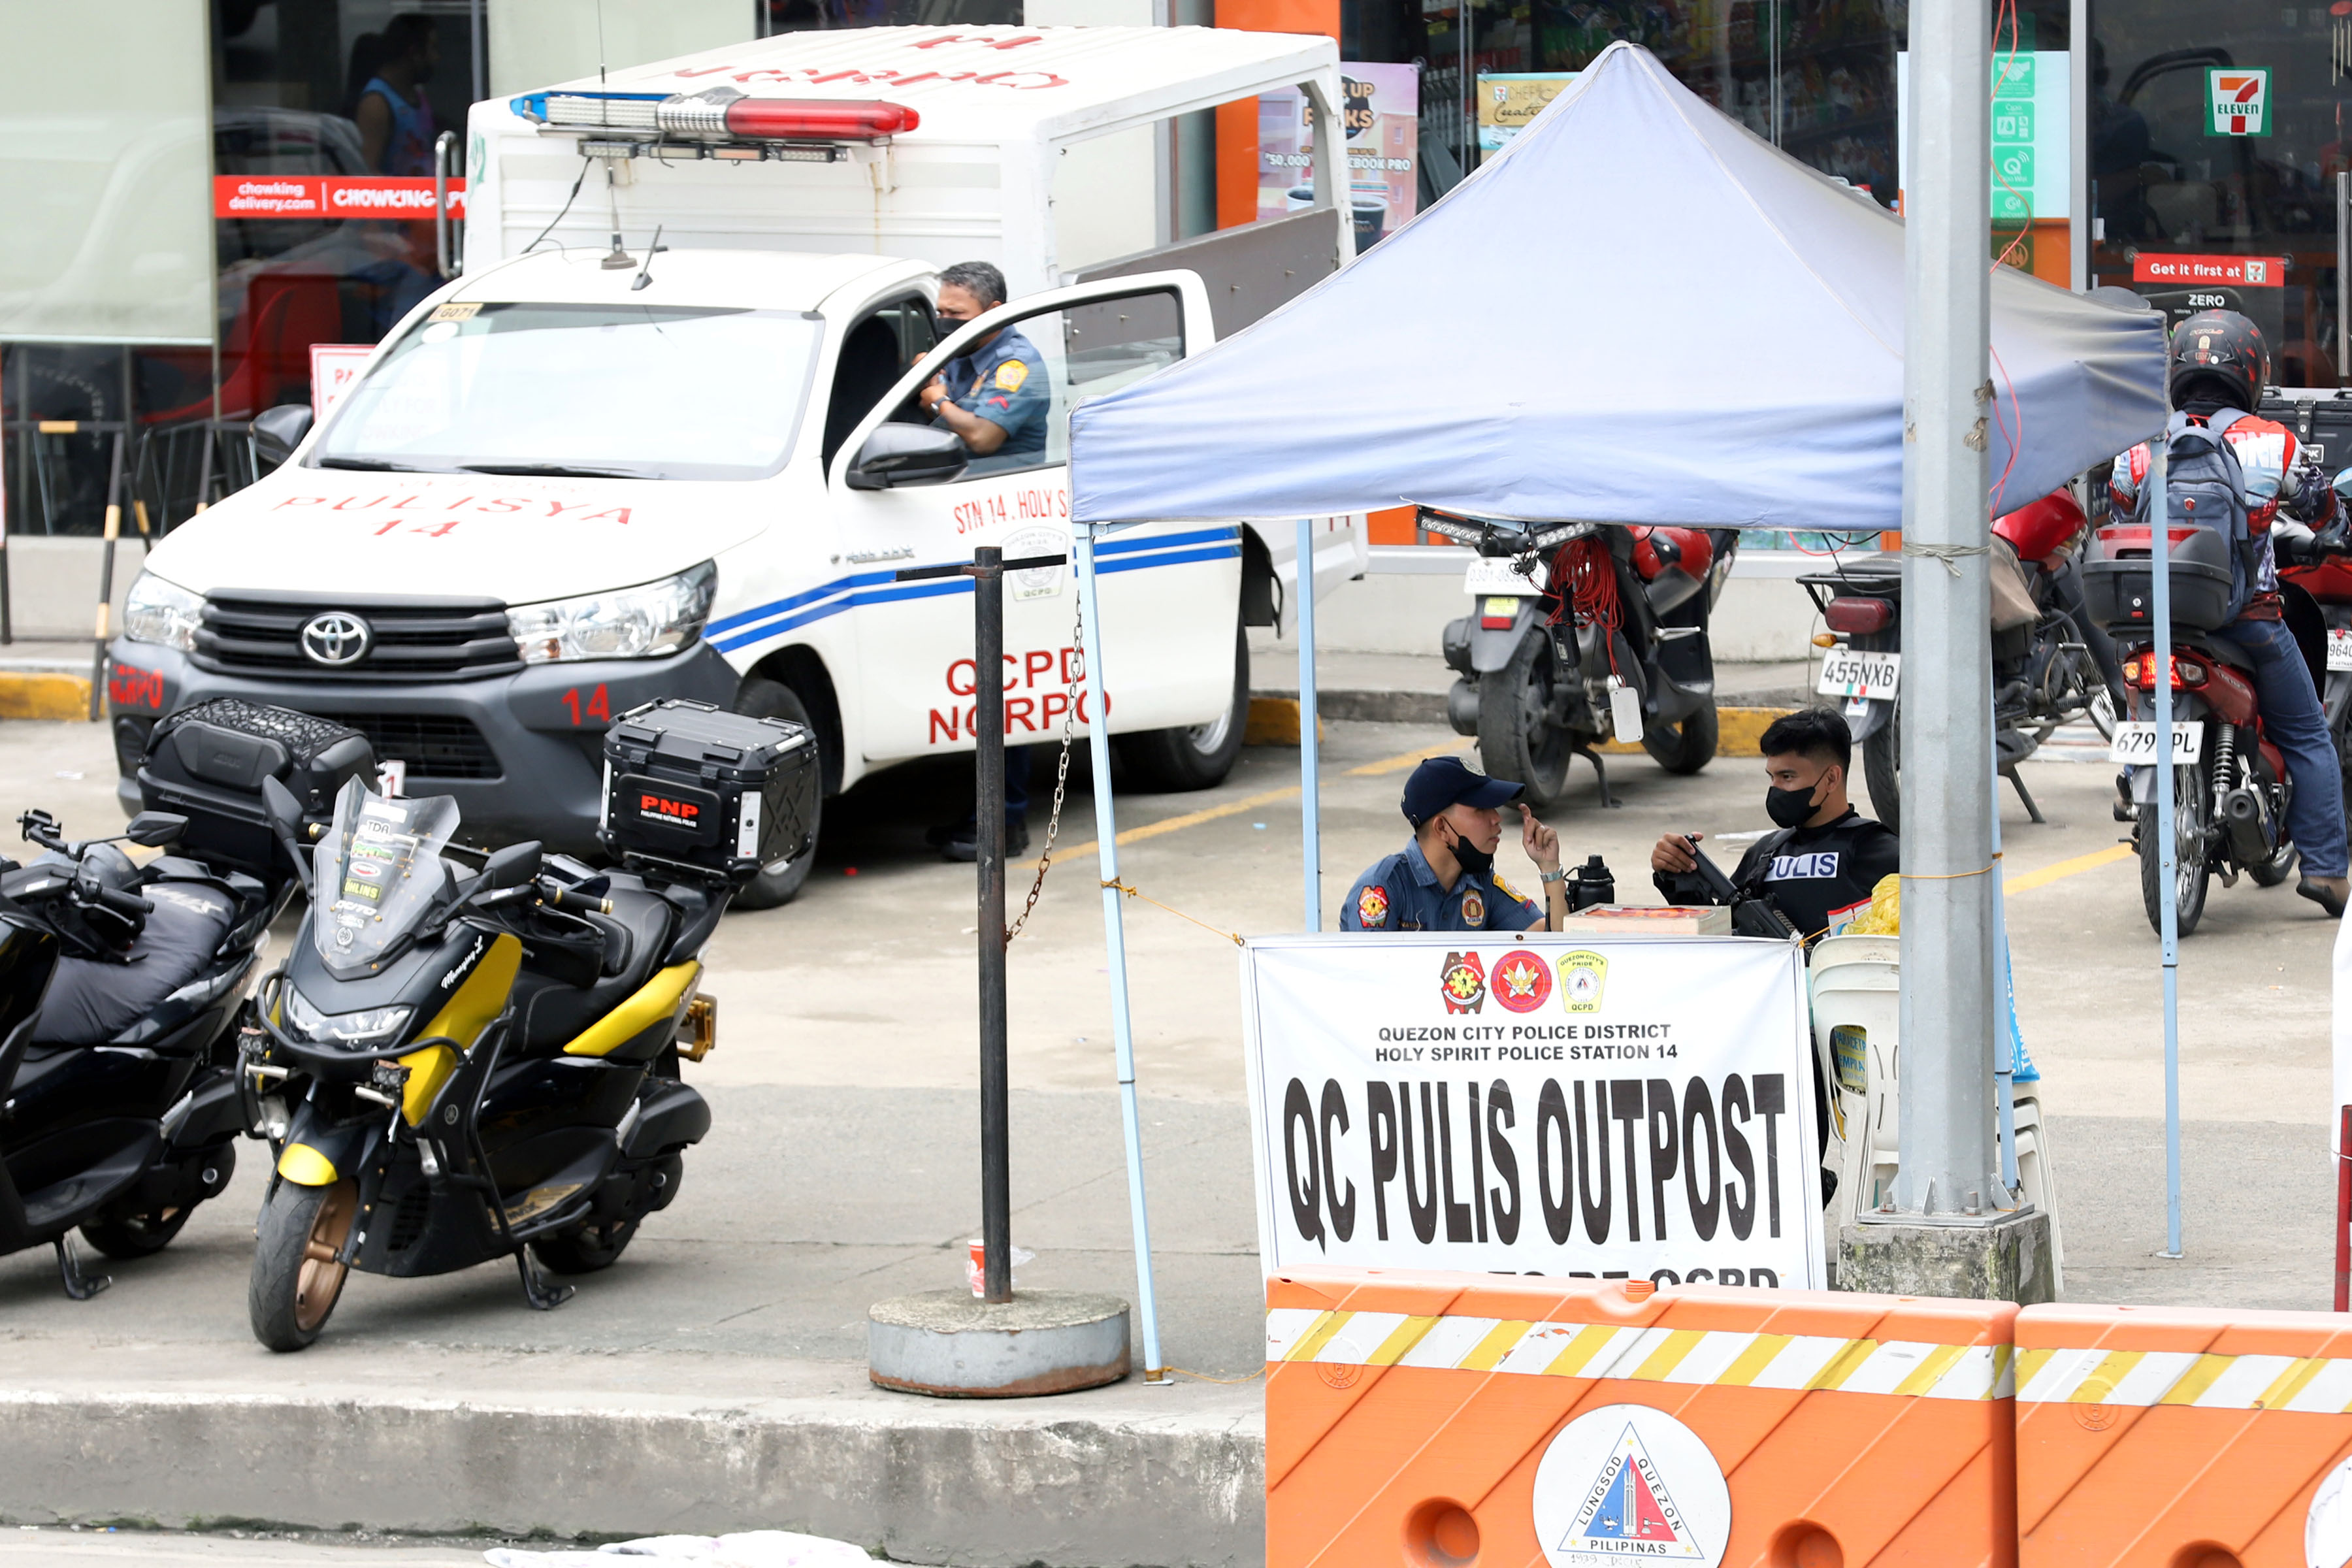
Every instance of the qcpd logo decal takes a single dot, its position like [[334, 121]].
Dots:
[[336, 638], [1628, 1481]]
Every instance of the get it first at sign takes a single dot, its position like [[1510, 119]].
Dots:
[[1611, 1108], [2240, 100]]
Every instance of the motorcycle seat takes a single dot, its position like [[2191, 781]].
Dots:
[[89, 1002], [2229, 653], [554, 1012]]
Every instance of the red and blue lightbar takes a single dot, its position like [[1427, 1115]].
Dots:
[[720, 114]]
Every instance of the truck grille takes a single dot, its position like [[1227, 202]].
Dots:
[[433, 745], [409, 639]]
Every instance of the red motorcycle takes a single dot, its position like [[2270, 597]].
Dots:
[[2323, 625], [2049, 662]]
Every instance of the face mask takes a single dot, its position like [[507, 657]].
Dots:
[[1470, 858], [948, 325], [1790, 807]]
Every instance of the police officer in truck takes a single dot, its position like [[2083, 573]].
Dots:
[[996, 394], [1444, 879]]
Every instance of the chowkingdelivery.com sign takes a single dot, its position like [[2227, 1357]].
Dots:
[[1622, 1108]]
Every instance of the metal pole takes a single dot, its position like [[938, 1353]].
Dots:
[[988, 820], [1096, 714], [106, 572], [482, 61], [2004, 1050], [2167, 923], [1949, 1160], [1311, 807], [2078, 143], [8, 630], [2343, 283]]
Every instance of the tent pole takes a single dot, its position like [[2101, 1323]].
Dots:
[[2167, 844], [1311, 807], [1950, 1163], [1122, 1033]]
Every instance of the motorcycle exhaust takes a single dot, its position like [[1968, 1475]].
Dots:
[[2249, 828], [1462, 707]]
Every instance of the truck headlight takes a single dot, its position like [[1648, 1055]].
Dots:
[[159, 612], [644, 622], [366, 1027]]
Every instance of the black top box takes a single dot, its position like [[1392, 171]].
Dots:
[[207, 762], [693, 792]]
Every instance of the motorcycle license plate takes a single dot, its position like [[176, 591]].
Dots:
[[1860, 676], [2134, 742], [2339, 648], [1492, 574]]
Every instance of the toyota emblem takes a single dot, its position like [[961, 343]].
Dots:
[[336, 638]]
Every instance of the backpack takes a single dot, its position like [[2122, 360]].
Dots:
[[2205, 488]]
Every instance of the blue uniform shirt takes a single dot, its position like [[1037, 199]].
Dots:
[[1004, 382], [1402, 893]]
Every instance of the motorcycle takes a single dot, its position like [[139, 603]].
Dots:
[[470, 1056], [1584, 632], [2049, 663], [120, 987]]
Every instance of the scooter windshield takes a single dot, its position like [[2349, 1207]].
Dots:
[[376, 873]]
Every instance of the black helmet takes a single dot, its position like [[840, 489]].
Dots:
[[2218, 356]]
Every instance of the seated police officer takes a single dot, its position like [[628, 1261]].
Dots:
[[995, 395], [1444, 879], [1819, 869]]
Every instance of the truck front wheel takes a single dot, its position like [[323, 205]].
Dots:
[[1193, 756], [776, 884]]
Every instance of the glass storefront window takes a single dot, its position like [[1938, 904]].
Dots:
[[2195, 216]]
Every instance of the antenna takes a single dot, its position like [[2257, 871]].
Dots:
[[646, 274], [600, 45]]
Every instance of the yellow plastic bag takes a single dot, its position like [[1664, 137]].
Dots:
[[1884, 916]]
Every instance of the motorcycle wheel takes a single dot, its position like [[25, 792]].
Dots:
[[1881, 769], [1686, 747], [296, 1281], [1516, 739], [2192, 875], [587, 1247], [136, 1235]]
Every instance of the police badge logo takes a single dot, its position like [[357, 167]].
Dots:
[[1627, 1480], [1473, 908], [1522, 983], [1010, 374], [1583, 973], [1464, 982], [1371, 906]]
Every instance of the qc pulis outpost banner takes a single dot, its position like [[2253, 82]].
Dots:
[[1560, 1105]]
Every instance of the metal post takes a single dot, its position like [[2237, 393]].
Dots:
[[2004, 1049], [480, 51], [8, 630], [1311, 812], [1949, 1160], [2168, 850], [988, 820], [1093, 700], [2343, 283], [2079, 228], [106, 572]]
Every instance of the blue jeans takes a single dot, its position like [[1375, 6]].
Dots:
[[2297, 726]]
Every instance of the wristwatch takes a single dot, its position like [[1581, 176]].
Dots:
[[1560, 875]]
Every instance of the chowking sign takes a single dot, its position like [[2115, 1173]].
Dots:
[[1572, 1107]]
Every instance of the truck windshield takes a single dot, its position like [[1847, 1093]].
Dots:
[[653, 392]]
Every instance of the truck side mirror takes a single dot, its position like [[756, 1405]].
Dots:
[[909, 455], [278, 431]]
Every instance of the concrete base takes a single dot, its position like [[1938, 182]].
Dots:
[[950, 1346], [2003, 1259]]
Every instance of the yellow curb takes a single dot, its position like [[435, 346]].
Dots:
[[1739, 732], [43, 695], [1274, 722]]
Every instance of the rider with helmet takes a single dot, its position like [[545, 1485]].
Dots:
[[2218, 365]]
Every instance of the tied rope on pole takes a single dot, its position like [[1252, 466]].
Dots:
[[1950, 555]]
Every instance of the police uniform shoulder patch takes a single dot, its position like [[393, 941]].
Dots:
[[1371, 905], [1473, 908], [1010, 374], [1509, 892]]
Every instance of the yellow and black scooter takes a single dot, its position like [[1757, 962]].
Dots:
[[459, 1063]]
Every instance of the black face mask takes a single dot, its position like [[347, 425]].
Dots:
[[948, 325], [1470, 858], [1790, 807]]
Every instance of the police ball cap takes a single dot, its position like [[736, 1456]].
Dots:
[[1441, 782]]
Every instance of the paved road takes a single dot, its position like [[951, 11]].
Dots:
[[842, 1166], [36, 1548]]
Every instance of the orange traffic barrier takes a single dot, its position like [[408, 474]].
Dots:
[[2179, 1438], [1448, 1420]]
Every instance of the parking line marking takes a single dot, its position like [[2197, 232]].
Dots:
[[1189, 819], [1398, 765], [2026, 881]]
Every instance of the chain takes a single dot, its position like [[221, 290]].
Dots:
[[1062, 773]]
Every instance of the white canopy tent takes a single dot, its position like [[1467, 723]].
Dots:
[[1641, 313]]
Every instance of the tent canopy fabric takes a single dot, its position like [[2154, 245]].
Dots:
[[1641, 313]]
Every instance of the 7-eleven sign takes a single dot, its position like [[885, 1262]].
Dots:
[[2242, 101]]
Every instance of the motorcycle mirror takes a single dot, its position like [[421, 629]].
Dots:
[[285, 811], [511, 867], [156, 828]]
